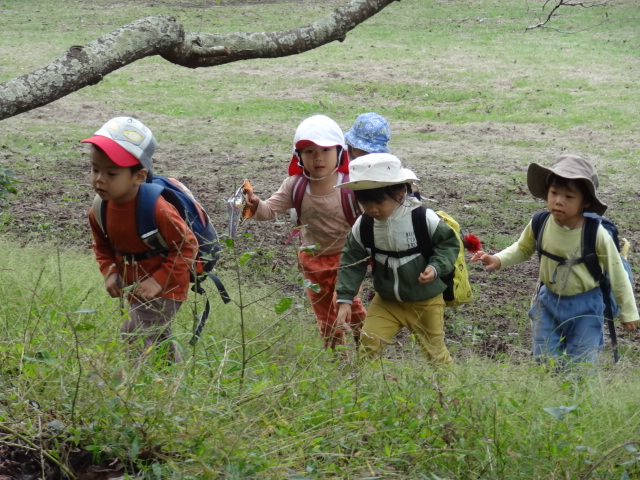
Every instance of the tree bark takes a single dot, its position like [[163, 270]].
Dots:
[[162, 35]]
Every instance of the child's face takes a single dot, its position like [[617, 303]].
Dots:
[[319, 161], [355, 152], [382, 210], [566, 204], [113, 183]]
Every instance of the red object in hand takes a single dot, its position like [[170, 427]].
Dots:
[[472, 243]]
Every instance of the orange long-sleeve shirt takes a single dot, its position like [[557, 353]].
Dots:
[[170, 271]]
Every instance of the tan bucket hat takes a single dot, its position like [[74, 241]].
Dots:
[[571, 167]]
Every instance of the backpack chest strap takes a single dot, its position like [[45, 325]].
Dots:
[[588, 251]]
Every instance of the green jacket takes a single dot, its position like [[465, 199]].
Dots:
[[396, 279]]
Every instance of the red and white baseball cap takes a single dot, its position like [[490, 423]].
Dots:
[[126, 141]]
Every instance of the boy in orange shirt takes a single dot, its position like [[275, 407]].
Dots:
[[155, 285]]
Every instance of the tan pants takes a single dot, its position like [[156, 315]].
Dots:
[[424, 318], [151, 323]]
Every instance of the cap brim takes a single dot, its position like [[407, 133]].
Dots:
[[115, 152], [306, 143]]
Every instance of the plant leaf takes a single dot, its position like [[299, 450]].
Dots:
[[283, 305], [560, 412], [84, 326], [306, 283]]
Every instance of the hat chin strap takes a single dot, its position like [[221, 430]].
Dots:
[[304, 172]]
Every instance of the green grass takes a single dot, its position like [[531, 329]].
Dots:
[[278, 406]]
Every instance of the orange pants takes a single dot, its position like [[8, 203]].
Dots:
[[322, 270]]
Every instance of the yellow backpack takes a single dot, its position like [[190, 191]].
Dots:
[[458, 289]]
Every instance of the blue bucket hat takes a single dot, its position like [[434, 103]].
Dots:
[[370, 132]]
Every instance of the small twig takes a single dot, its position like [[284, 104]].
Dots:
[[604, 457], [566, 3]]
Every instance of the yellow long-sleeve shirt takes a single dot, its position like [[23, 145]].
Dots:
[[573, 279]]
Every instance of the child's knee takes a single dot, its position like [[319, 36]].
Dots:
[[370, 345]]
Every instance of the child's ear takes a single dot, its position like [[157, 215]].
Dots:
[[140, 176]]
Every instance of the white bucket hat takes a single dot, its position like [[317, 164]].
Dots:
[[377, 170]]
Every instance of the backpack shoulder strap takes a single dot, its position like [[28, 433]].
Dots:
[[100, 213], [299, 189], [589, 234], [420, 228], [366, 230], [146, 220], [348, 200], [418, 219], [349, 203], [538, 223]]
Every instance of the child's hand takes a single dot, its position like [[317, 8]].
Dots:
[[252, 202], [148, 289], [112, 282], [491, 261], [344, 317], [630, 326], [428, 276]]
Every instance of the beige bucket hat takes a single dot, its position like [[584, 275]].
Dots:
[[571, 167]]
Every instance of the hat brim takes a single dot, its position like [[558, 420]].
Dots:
[[409, 176], [537, 176], [354, 141], [306, 143], [115, 152]]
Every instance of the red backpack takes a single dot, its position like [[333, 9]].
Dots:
[[350, 205]]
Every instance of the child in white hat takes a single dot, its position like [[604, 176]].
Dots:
[[408, 283], [318, 164], [121, 158], [568, 312]]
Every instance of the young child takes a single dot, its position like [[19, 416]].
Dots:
[[408, 285], [320, 155], [370, 133], [567, 314], [155, 286]]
